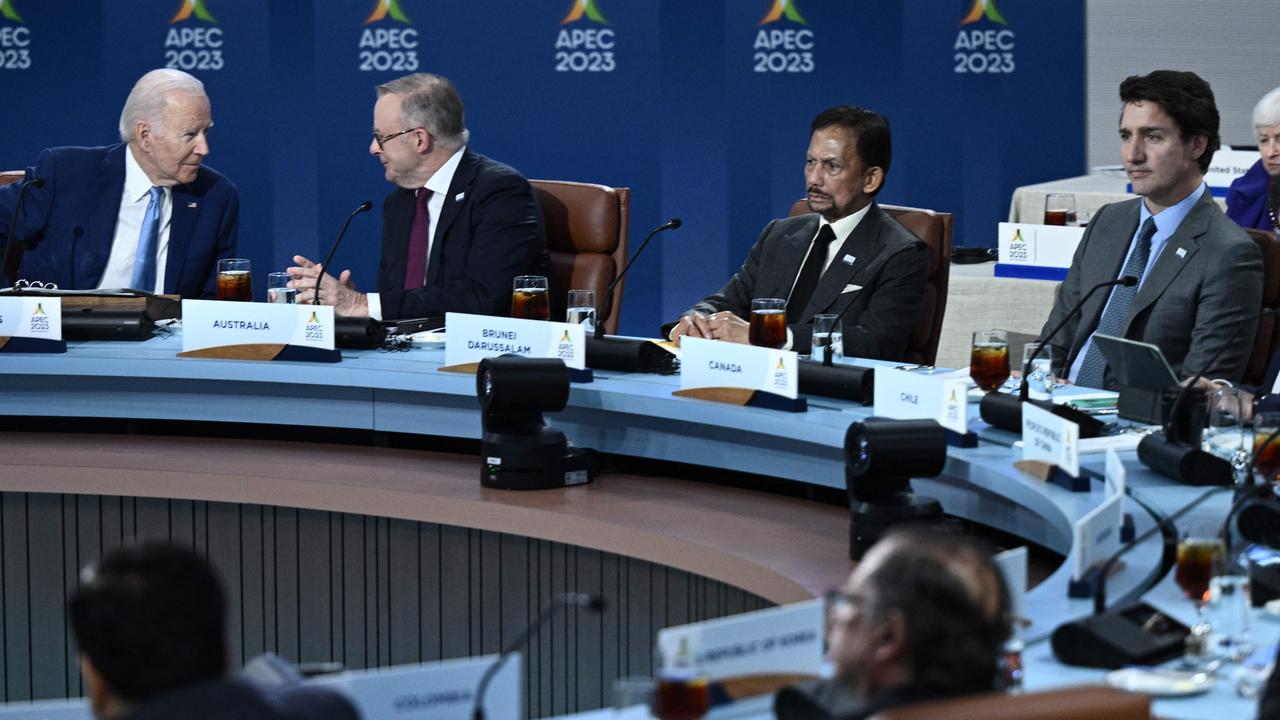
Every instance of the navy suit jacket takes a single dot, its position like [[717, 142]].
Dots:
[[490, 230], [70, 223]]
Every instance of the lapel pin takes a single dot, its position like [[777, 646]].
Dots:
[[848, 260], [459, 196], [1182, 252], [192, 204]]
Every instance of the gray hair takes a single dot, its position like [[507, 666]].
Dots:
[[146, 100], [432, 102], [1267, 112]]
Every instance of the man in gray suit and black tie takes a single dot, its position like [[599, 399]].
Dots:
[[1199, 275]]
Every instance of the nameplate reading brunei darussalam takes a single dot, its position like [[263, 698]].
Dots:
[[31, 324], [257, 331], [738, 374], [472, 338]]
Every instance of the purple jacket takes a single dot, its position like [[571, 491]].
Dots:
[[1247, 199]]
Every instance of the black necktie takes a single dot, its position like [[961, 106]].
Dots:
[[810, 273]]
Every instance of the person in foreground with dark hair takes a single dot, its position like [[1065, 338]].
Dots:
[[150, 621], [924, 616], [1199, 275], [848, 253]]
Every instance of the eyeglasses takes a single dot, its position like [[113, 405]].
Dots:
[[381, 140], [838, 599]]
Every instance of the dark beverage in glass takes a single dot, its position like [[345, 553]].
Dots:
[[530, 304], [1267, 456], [683, 696], [235, 285], [1199, 560], [989, 359], [1055, 217], [768, 328]]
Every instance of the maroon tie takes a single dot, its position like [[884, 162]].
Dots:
[[415, 272]]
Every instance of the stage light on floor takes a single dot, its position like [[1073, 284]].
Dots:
[[881, 456], [518, 451]]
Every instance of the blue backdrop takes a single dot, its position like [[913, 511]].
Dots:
[[700, 106]]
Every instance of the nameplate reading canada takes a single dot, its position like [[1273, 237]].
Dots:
[[214, 324], [716, 364], [903, 395], [31, 317], [472, 338]]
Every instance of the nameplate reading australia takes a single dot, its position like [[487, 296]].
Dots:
[[903, 395], [717, 364], [257, 331], [472, 338], [31, 324], [1049, 438]]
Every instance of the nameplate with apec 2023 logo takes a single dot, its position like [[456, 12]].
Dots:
[[257, 331], [472, 338], [31, 324], [903, 395], [739, 374]]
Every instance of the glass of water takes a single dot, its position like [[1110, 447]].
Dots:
[[1040, 378], [823, 326], [581, 309], [278, 290], [1229, 606], [1224, 434]]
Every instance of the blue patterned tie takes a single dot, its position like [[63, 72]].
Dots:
[[144, 267], [1093, 368]]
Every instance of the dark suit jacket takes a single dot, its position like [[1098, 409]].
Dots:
[[1190, 303], [489, 231], [238, 700], [70, 223], [890, 265]]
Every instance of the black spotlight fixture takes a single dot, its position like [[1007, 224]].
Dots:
[[880, 458], [518, 451]]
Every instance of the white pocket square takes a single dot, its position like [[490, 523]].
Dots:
[[850, 288]]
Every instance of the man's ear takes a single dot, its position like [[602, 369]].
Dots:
[[872, 179], [891, 642], [95, 687], [1199, 144]]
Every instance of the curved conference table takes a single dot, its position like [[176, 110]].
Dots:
[[776, 548]]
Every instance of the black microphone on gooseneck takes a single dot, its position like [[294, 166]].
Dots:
[[11, 263], [365, 206], [606, 302], [1004, 411], [594, 603]]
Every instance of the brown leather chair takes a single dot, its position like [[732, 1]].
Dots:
[[1096, 702], [935, 229], [587, 233], [11, 176], [1267, 340]]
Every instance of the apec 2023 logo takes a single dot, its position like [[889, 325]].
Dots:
[[15, 39]]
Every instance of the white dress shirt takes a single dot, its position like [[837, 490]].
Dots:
[[842, 228], [438, 184], [133, 208]]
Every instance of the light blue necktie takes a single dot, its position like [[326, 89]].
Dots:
[[144, 268]]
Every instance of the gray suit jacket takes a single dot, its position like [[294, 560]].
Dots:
[[1204, 285], [889, 264]]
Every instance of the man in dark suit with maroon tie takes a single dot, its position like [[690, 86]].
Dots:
[[456, 232]]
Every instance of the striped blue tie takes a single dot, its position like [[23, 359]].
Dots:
[[144, 268], [1093, 369]]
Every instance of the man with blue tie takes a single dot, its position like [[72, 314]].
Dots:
[[1199, 275], [143, 214]]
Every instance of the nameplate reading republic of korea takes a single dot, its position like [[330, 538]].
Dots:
[[1047, 437], [903, 395], [438, 690], [472, 338], [716, 364], [257, 331], [785, 640], [31, 324]]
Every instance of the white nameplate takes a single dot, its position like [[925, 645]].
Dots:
[[1097, 536], [1115, 477], [1047, 437], [1228, 165], [712, 363], [472, 338], [47, 710], [903, 395], [437, 690], [217, 324], [31, 317], [1013, 565], [1038, 245], [786, 639]]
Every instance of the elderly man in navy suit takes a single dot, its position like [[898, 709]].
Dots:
[[458, 228], [144, 214]]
